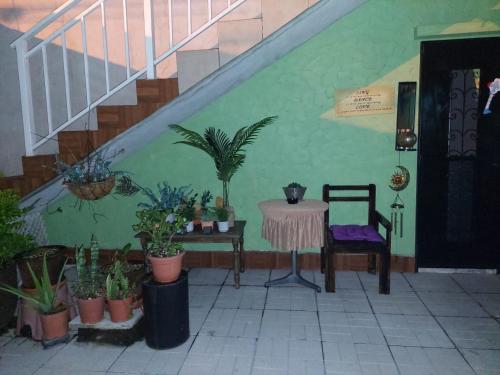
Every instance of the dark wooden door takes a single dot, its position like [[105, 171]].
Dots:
[[458, 182]]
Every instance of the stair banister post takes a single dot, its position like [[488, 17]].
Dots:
[[150, 39], [26, 94]]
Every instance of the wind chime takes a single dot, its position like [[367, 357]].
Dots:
[[399, 181]]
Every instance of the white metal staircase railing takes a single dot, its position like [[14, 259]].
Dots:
[[24, 53]]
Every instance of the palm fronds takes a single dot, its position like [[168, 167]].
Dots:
[[228, 154]]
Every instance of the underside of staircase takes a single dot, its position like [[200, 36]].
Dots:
[[76, 145], [145, 121]]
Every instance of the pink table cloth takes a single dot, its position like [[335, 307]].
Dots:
[[293, 226]]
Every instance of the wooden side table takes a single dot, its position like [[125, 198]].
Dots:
[[234, 236]]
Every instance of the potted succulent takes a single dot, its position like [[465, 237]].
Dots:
[[89, 179], [12, 244], [207, 222], [53, 313], [118, 294], [164, 255], [89, 289], [228, 155], [294, 192], [222, 215]]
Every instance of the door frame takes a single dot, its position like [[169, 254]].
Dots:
[[445, 63]]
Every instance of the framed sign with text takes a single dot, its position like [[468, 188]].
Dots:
[[371, 100]]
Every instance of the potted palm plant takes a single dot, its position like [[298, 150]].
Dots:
[[228, 155], [118, 294], [89, 289], [53, 313], [164, 254], [12, 244]]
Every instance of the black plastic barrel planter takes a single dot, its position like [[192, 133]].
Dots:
[[166, 313]]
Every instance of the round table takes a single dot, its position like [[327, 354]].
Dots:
[[290, 227]]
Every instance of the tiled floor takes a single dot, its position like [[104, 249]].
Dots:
[[430, 324]]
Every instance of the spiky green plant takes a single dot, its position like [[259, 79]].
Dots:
[[45, 300], [117, 285], [90, 279], [228, 155]]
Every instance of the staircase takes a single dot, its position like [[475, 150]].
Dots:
[[197, 84], [76, 145], [182, 27]]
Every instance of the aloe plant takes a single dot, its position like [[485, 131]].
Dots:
[[45, 300], [228, 155]]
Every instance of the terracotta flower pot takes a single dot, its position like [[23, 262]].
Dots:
[[120, 309], [166, 270], [55, 325], [91, 310]]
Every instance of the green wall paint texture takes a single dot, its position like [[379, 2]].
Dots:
[[373, 45]]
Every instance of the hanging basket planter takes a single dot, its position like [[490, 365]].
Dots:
[[94, 190]]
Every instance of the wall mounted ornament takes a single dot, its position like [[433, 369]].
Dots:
[[399, 181], [494, 88], [405, 121]]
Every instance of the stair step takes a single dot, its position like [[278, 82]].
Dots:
[[15, 183], [41, 167], [75, 145], [157, 90], [124, 116]]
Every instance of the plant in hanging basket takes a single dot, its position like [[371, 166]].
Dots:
[[89, 179]]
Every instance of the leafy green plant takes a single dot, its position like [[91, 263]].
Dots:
[[208, 215], [206, 197], [161, 226], [167, 198], [95, 168], [221, 213], [188, 213], [117, 284], [12, 242], [228, 155], [45, 299], [90, 278]]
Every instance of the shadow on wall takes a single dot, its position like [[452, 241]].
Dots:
[[12, 146]]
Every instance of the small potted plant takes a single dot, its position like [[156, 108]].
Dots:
[[12, 245], [89, 288], [188, 212], [207, 222], [164, 255], [53, 313], [202, 207], [222, 216], [118, 294], [294, 192]]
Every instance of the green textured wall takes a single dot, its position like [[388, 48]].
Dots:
[[373, 45]]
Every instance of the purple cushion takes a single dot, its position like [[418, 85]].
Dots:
[[355, 233]]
